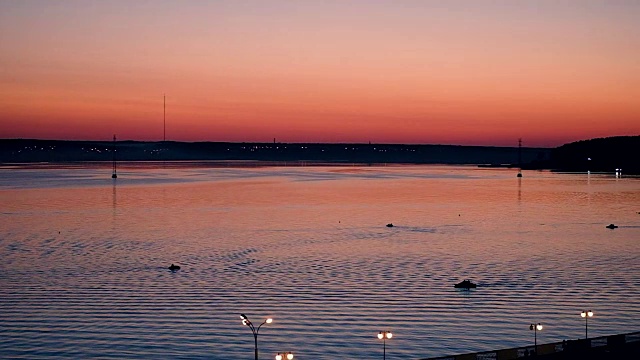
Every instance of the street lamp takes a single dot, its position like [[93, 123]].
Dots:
[[535, 327], [384, 335], [586, 315], [287, 355], [254, 330]]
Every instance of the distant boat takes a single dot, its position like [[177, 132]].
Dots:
[[389, 225], [466, 284], [174, 267], [612, 226]]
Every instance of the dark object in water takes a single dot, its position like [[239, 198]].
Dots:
[[389, 225], [466, 284], [612, 226], [174, 267]]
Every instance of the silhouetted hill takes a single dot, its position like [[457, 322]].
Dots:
[[599, 155], [25, 150]]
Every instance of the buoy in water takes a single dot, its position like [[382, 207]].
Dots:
[[466, 284]]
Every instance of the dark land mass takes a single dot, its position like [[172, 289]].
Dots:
[[606, 154], [23, 150], [599, 155]]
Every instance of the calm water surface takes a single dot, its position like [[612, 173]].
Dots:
[[83, 271]]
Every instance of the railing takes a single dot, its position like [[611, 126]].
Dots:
[[546, 349]]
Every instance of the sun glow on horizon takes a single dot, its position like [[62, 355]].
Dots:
[[485, 73]]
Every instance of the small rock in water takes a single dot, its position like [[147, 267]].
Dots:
[[389, 225]]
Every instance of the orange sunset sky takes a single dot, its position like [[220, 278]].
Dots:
[[421, 72]]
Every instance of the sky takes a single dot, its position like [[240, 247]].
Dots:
[[405, 71]]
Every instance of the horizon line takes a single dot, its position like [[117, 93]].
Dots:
[[295, 142], [322, 143]]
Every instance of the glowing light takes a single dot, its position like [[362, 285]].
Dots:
[[288, 355]]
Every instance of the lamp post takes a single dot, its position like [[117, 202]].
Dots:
[[286, 355], [254, 330], [384, 335], [535, 327], [586, 315]]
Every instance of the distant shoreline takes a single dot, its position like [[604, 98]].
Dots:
[[596, 155], [20, 150], [248, 164]]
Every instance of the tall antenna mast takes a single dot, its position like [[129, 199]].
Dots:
[[113, 173], [519, 157], [520, 152], [164, 116]]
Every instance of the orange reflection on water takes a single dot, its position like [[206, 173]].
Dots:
[[314, 242]]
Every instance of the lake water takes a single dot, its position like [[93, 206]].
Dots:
[[83, 271]]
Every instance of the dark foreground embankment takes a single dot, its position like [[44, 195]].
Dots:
[[622, 346]]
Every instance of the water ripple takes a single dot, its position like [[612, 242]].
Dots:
[[84, 268]]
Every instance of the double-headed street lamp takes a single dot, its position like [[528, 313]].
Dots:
[[286, 355], [535, 327], [586, 315], [384, 335], [254, 330]]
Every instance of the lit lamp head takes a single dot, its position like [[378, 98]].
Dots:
[[539, 327], [288, 356], [269, 321], [586, 313], [385, 335]]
